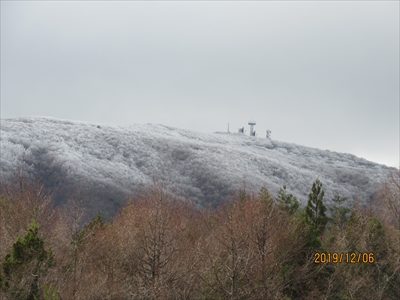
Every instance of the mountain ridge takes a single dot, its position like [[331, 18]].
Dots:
[[110, 163]]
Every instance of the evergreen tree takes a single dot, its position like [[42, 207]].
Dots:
[[315, 209], [338, 211], [24, 264], [288, 200]]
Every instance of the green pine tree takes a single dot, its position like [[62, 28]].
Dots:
[[24, 265], [289, 201], [339, 213], [315, 209]]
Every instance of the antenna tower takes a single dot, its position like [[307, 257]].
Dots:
[[269, 134], [252, 132]]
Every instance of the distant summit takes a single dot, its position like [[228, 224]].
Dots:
[[108, 163]]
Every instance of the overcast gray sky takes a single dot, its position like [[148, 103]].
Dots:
[[319, 74]]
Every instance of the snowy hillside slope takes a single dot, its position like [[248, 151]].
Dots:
[[111, 162]]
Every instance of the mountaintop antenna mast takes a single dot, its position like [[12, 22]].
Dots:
[[252, 132], [269, 134]]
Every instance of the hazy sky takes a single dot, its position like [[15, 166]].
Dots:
[[319, 74]]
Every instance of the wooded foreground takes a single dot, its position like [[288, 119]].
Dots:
[[255, 246]]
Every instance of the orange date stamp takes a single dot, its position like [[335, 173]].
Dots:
[[350, 258]]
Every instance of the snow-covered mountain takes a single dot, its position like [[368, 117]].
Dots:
[[108, 163]]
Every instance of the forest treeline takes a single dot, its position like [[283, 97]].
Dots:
[[254, 246]]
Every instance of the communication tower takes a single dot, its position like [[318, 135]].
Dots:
[[269, 134], [252, 132]]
